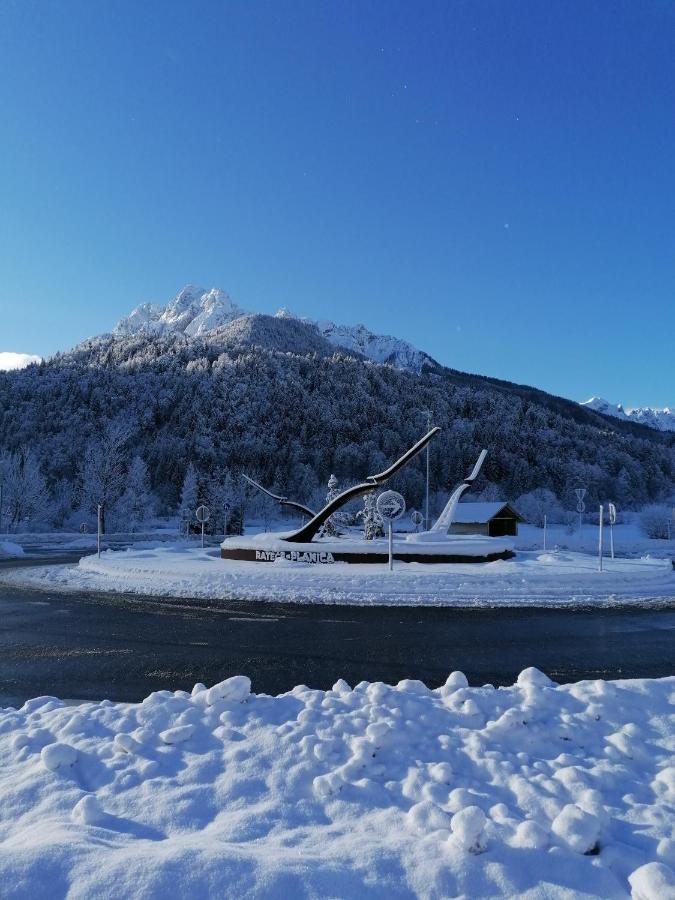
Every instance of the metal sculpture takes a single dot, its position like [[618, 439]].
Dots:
[[308, 532], [282, 501], [446, 518]]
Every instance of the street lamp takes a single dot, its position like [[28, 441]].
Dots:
[[426, 498]]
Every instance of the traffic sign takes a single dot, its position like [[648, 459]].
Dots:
[[390, 506], [202, 513]]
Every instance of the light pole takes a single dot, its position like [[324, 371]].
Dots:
[[426, 499]]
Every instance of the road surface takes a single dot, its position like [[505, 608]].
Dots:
[[93, 646]]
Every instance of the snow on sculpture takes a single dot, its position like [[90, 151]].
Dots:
[[445, 520], [309, 531]]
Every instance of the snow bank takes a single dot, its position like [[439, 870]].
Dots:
[[9, 550], [376, 791], [534, 579]]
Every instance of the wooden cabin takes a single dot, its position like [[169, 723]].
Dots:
[[494, 519]]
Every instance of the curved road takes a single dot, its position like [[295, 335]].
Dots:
[[91, 646]]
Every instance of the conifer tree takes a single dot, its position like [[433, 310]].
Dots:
[[188, 499]]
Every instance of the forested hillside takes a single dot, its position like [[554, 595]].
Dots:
[[120, 419]]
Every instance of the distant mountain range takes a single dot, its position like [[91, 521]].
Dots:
[[661, 419], [196, 312]]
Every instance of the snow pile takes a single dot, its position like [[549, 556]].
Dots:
[[531, 579], [371, 791], [10, 550]]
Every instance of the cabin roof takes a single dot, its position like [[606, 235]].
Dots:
[[482, 512]]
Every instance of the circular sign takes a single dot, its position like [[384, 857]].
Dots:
[[202, 513], [84, 528], [416, 517], [581, 506], [390, 506], [612, 514]]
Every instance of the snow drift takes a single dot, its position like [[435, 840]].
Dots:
[[373, 791]]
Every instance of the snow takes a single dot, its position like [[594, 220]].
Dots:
[[478, 511], [371, 791], [8, 549], [661, 419], [533, 578], [56, 755], [193, 312], [653, 881]]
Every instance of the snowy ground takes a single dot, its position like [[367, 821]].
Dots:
[[10, 550], [530, 791], [559, 579], [628, 540]]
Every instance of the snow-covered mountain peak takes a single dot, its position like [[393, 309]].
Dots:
[[193, 311], [661, 419], [197, 312]]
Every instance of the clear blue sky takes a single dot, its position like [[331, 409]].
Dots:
[[494, 181]]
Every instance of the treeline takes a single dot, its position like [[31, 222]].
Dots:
[[122, 419]]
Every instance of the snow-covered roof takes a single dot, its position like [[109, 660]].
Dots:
[[471, 513]]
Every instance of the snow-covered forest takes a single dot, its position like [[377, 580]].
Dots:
[[150, 424]]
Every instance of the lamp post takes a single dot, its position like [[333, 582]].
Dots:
[[426, 498]]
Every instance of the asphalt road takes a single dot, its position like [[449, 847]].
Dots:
[[92, 646]]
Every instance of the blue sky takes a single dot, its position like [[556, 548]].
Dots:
[[493, 181]]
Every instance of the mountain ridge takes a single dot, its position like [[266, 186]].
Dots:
[[659, 419], [198, 312]]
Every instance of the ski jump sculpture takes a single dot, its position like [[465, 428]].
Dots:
[[433, 546], [305, 534], [446, 518], [282, 501]]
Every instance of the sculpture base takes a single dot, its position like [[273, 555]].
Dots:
[[460, 549]]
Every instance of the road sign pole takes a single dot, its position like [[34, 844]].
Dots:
[[611, 539], [544, 533], [203, 535], [600, 537], [98, 530], [391, 507]]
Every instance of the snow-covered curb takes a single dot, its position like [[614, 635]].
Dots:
[[10, 550], [532, 579], [528, 791]]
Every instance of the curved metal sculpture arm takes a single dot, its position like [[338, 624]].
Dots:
[[445, 520], [307, 532], [283, 501]]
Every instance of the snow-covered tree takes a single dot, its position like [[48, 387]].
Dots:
[[654, 521], [137, 502], [333, 523], [25, 494], [188, 498], [373, 525], [539, 503], [103, 468]]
